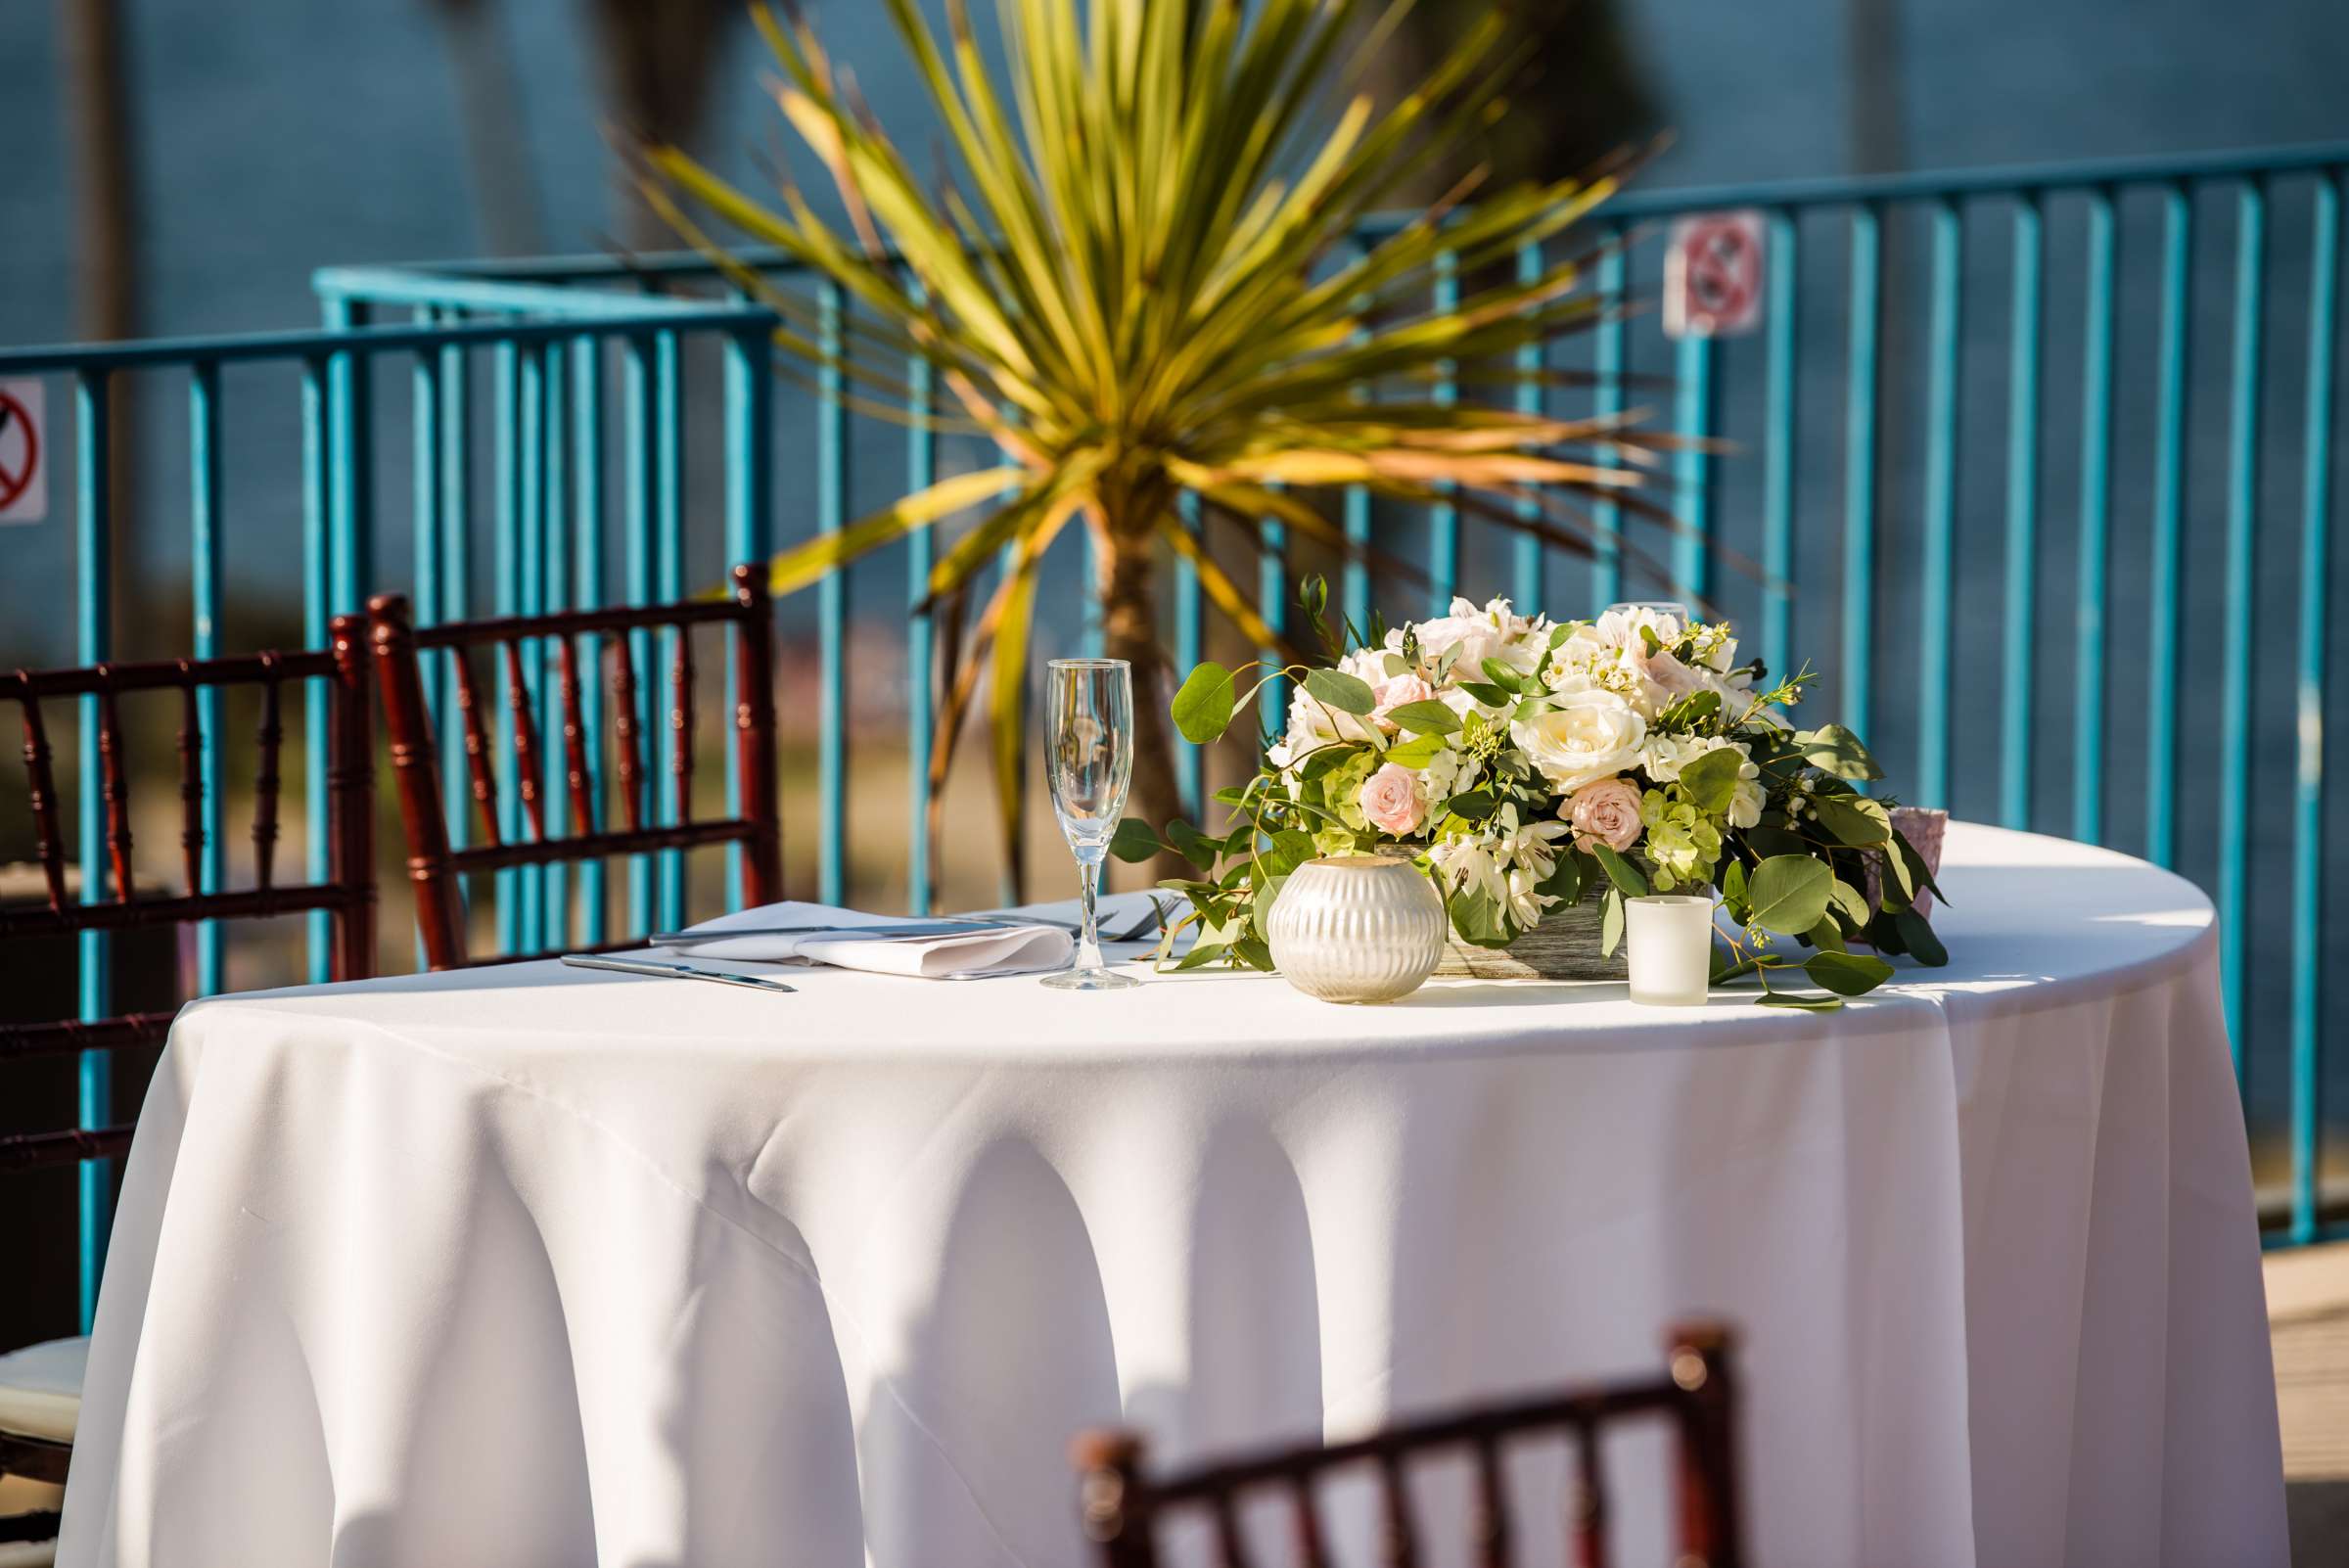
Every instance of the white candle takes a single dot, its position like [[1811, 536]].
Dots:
[[1671, 943]]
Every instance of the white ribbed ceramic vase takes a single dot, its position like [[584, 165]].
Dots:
[[1358, 928]]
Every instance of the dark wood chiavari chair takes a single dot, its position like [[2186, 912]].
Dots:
[[436, 869], [1124, 1509], [40, 1384]]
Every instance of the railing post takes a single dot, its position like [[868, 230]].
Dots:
[[1777, 446], [587, 494], [2168, 493], [1443, 519], [1607, 368], [669, 575], [2308, 775], [203, 575], [1945, 347], [2022, 521], [94, 640], [921, 640], [1526, 563], [831, 609], [1860, 469], [747, 541], [2242, 519], [2096, 479], [317, 598]]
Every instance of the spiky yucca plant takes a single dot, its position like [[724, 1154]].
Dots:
[[1147, 291]]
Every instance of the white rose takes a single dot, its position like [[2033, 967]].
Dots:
[[1586, 736]]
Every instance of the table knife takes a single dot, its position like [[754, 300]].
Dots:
[[660, 971]]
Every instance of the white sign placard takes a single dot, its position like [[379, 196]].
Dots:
[[24, 452], [1713, 275]]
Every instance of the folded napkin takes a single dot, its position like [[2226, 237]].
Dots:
[[1009, 950]]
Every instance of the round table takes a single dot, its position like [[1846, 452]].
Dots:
[[548, 1266]]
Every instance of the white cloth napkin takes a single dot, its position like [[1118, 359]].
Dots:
[[971, 955]]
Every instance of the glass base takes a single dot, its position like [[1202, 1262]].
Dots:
[[1090, 979]]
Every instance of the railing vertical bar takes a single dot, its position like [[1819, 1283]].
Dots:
[[351, 567], [1189, 766], [1526, 575], [1273, 602], [1607, 366], [1777, 443], [505, 366], [1693, 417], [831, 610], [640, 520], [1944, 348], [531, 599], [1444, 518], [317, 599], [921, 641], [1354, 589], [587, 558], [1859, 467], [2242, 519], [423, 479], [554, 592], [2022, 518], [2307, 786], [669, 584], [2095, 491], [94, 623], [747, 431], [2168, 493], [456, 575], [203, 572]]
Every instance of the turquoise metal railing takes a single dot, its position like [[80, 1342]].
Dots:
[[1939, 355], [1948, 364]]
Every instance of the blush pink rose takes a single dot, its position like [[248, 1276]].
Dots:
[[1389, 798], [1399, 691], [1605, 812]]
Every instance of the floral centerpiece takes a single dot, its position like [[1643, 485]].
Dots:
[[1528, 764]]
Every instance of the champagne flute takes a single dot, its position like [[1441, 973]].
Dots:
[[1089, 757]]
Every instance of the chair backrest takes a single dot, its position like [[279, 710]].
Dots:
[[1124, 1508], [436, 868], [348, 895]]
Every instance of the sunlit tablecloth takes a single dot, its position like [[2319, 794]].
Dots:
[[531, 1265]]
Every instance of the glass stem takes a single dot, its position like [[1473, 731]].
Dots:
[[1089, 942]]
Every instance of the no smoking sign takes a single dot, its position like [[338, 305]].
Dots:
[[1713, 275], [24, 454]]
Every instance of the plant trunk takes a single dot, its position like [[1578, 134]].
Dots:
[[1128, 589]]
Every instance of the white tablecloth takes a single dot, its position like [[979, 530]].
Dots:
[[531, 1265]]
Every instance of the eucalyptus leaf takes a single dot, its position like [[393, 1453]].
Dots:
[[1490, 695], [1348, 694], [1426, 717], [1824, 936], [1847, 973], [1417, 751], [1767, 841], [1789, 894], [1838, 751], [1610, 924], [1621, 872], [1855, 819], [1202, 954], [1203, 707], [1917, 933], [1808, 1004], [1505, 676], [1849, 904], [1133, 842], [1711, 781], [1193, 845], [1289, 849], [1254, 953]]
